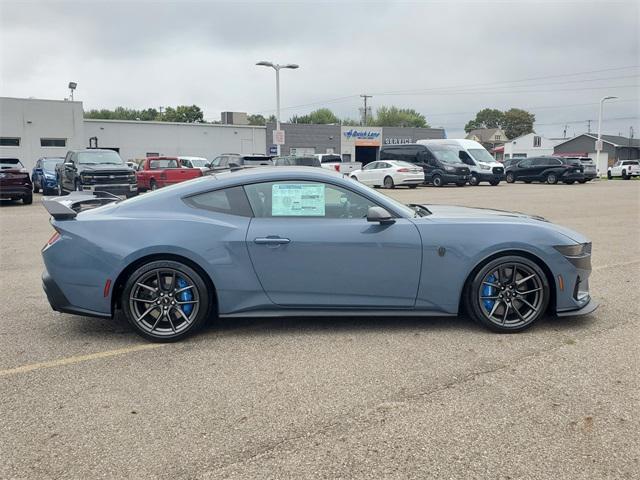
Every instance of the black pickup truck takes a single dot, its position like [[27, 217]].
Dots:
[[93, 170]]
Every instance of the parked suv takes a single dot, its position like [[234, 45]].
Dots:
[[482, 165], [94, 170], [625, 169], [43, 175], [546, 169], [589, 167], [440, 163], [15, 183]]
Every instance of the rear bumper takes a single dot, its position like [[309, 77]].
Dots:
[[12, 191], [59, 302], [572, 176]]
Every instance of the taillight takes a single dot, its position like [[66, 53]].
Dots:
[[337, 167], [54, 238], [403, 170]]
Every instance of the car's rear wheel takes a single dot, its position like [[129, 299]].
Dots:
[[388, 182], [166, 300], [508, 294], [493, 183], [609, 175], [36, 189], [552, 179], [437, 181], [510, 177], [153, 185], [583, 181], [28, 199]]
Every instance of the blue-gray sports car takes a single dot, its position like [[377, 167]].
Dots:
[[304, 241]]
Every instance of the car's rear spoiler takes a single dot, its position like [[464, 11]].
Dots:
[[68, 206]]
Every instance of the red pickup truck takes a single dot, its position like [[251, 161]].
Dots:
[[157, 172]]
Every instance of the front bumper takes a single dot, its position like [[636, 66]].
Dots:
[[116, 189], [454, 178], [586, 309], [59, 302], [488, 176]]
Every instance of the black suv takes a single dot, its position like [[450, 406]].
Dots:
[[441, 163], [546, 169], [94, 170], [228, 161]]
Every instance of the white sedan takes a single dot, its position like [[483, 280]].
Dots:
[[389, 174]]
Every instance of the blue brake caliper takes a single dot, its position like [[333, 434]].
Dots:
[[488, 291], [185, 296]]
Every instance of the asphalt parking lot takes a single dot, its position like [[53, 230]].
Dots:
[[338, 397]]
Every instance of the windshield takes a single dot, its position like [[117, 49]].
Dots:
[[481, 155], [445, 154], [10, 163], [100, 158], [49, 164], [331, 158]]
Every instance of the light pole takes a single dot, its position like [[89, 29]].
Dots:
[[72, 87], [277, 68], [599, 142]]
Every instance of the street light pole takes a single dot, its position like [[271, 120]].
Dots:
[[599, 142], [277, 68]]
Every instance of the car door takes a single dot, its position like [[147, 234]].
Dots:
[[368, 173], [69, 172], [312, 247], [36, 176], [523, 170], [384, 169]]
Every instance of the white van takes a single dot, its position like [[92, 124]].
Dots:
[[482, 165]]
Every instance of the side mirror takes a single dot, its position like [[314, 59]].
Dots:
[[207, 165], [379, 215]]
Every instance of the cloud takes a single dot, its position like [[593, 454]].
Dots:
[[151, 53]]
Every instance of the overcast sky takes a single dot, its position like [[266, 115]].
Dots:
[[445, 59]]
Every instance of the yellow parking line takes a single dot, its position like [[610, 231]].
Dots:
[[78, 358]]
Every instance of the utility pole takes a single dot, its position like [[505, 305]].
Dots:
[[564, 134], [588, 126], [364, 115]]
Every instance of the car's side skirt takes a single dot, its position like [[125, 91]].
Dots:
[[336, 313]]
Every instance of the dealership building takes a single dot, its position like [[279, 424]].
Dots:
[[34, 128]]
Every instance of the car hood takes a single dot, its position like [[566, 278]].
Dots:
[[459, 214]]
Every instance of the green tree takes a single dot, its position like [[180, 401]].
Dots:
[[350, 122], [322, 116], [399, 117], [256, 119], [183, 114], [486, 118], [517, 122]]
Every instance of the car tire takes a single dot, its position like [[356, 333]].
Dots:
[[492, 294], [388, 182], [61, 191], [493, 183], [552, 179], [353, 177], [36, 189], [153, 185], [609, 175], [569, 182], [461, 184], [413, 186], [155, 315], [511, 178], [583, 181], [473, 180], [527, 181], [437, 181], [77, 186], [28, 199], [624, 175]]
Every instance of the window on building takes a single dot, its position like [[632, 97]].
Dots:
[[153, 154], [498, 137], [9, 141], [53, 142], [537, 141]]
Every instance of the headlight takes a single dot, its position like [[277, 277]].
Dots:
[[450, 169], [484, 166], [577, 250]]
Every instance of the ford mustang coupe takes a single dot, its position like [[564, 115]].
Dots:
[[304, 241]]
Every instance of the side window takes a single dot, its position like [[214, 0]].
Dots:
[[466, 159], [554, 162], [305, 199], [525, 163], [539, 162], [186, 163], [371, 166], [231, 201]]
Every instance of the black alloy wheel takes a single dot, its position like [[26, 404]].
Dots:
[[165, 301], [508, 294]]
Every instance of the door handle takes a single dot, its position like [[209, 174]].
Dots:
[[271, 240]]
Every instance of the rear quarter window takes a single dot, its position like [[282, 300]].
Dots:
[[231, 201]]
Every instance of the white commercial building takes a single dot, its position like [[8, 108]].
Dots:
[[530, 145], [33, 128]]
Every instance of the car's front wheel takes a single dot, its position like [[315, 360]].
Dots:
[[474, 180], [165, 300], [437, 181], [508, 294], [510, 177]]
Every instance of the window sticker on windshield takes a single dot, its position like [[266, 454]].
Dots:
[[297, 199]]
